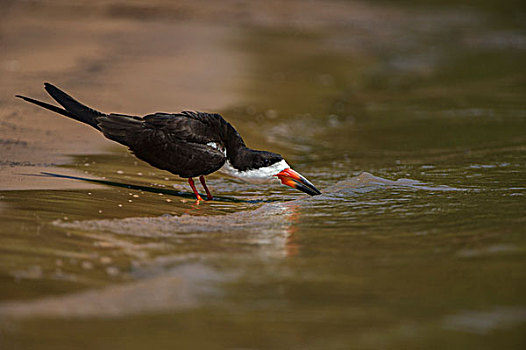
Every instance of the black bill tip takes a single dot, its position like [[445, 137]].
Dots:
[[306, 186]]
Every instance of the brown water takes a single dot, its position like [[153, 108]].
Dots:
[[410, 121]]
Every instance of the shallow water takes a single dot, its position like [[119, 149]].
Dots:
[[417, 143]]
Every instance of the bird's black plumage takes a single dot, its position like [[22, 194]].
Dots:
[[188, 144], [178, 142]]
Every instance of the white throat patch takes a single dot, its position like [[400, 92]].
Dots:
[[260, 175]]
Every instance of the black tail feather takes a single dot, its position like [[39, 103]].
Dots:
[[81, 112], [48, 106], [72, 108]]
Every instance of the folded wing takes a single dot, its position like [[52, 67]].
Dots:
[[180, 143]]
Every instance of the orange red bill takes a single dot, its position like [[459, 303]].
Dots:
[[295, 180]]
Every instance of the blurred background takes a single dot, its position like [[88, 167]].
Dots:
[[410, 118]]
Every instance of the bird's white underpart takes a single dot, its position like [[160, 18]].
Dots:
[[260, 175]]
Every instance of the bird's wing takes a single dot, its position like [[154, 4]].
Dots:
[[184, 145], [188, 126]]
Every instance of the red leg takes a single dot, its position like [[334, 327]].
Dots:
[[208, 194], [197, 196]]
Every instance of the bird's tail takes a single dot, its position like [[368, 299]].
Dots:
[[72, 108]]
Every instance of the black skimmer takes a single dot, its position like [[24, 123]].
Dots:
[[189, 144]]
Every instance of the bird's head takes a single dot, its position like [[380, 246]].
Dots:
[[266, 166]]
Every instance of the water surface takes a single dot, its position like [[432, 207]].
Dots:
[[412, 128]]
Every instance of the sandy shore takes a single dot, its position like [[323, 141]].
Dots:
[[92, 59]]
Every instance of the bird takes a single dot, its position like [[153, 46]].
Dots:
[[189, 144]]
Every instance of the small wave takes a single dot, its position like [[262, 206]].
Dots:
[[269, 225], [366, 182], [266, 231], [269, 218], [180, 288], [483, 322]]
